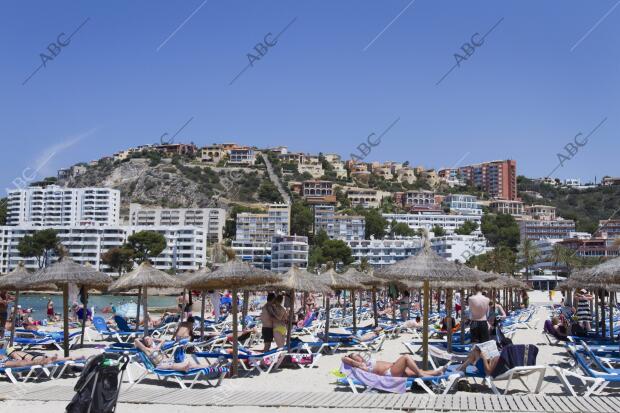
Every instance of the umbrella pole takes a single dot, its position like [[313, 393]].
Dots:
[[462, 316], [235, 320], [354, 312], [14, 318], [84, 315], [425, 325], [611, 318], [326, 317], [202, 315], [603, 325], [449, 315], [146, 311], [65, 306], [290, 320], [244, 308], [138, 309], [596, 307], [374, 306]]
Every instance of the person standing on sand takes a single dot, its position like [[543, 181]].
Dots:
[[267, 320], [479, 308], [4, 310], [50, 310], [584, 315]]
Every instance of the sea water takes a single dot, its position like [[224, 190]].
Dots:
[[38, 303]]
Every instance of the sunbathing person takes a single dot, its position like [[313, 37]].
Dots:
[[15, 358], [404, 366], [185, 330], [152, 348]]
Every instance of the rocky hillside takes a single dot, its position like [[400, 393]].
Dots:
[[174, 183]]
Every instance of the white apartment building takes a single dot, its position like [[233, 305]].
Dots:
[[342, 227], [212, 220], [262, 227], [427, 221], [536, 229], [54, 205], [254, 252], [288, 251], [463, 204], [385, 251], [460, 247], [85, 244]]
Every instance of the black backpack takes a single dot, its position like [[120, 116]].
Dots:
[[98, 386]]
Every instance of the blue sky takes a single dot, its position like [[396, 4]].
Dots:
[[341, 71]]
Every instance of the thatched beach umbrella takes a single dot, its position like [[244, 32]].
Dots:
[[336, 281], [143, 277], [298, 280], [368, 280], [63, 273], [427, 266], [232, 275], [14, 281]]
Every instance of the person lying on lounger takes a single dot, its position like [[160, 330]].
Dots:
[[404, 366], [152, 348], [477, 358], [15, 358]]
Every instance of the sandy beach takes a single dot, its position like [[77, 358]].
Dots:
[[316, 380]]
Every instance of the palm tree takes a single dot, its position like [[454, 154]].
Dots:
[[529, 253], [557, 254]]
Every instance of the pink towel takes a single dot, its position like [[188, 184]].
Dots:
[[385, 383]]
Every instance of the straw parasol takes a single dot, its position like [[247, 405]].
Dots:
[[14, 281], [428, 267], [145, 276], [298, 280], [63, 273], [337, 281], [369, 282], [231, 275]]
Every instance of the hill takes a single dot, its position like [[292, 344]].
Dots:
[[586, 206]]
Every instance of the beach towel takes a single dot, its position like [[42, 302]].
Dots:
[[375, 381]]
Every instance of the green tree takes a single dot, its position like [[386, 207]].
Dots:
[[401, 229], [528, 255], [268, 192], [501, 229], [500, 260], [302, 219], [467, 228], [438, 231], [40, 245], [320, 238], [3, 203], [336, 251], [375, 223], [119, 259], [146, 245]]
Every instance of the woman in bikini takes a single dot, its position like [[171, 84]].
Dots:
[[404, 366], [152, 349], [15, 358]]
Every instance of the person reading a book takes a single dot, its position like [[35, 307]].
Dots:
[[479, 308], [484, 356]]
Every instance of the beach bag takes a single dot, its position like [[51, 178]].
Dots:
[[501, 339]]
